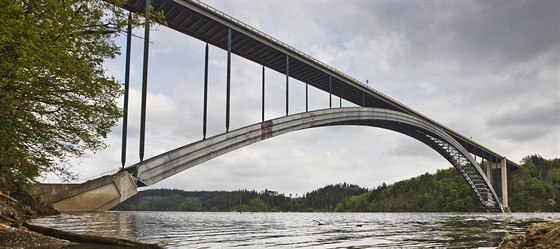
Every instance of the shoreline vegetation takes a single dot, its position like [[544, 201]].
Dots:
[[534, 187]]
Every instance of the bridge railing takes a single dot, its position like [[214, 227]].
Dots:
[[306, 56], [290, 48], [80, 180], [110, 172], [347, 77]]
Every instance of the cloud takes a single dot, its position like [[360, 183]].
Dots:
[[488, 70], [528, 123]]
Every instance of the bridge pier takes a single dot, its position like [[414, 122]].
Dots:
[[502, 165], [489, 172], [503, 170]]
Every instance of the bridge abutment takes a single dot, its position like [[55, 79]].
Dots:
[[96, 195]]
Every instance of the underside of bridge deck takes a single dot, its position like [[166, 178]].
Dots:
[[210, 25]]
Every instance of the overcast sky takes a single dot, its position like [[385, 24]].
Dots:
[[487, 69]]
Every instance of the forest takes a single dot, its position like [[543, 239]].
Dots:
[[321, 200], [533, 187]]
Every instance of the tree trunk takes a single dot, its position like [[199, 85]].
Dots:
[[90, 239]]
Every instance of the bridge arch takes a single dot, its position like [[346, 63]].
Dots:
[[170, 163]]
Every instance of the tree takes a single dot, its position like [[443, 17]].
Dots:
[[56, 101], [190, 204]]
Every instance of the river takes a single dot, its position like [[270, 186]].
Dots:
[[302, 230]]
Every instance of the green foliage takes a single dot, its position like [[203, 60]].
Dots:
[[56, 101], [326, 198], [190, 204], [444, 191], [323, 199], [535, 187]]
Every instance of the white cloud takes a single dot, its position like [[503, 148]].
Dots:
[[456, 63]]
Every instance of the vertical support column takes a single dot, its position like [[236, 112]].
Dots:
[[503, 169], [228, 77], [489, 171], [364, 94], [306, 97], [145, 79], [495, 165], [126, 87], [205, 117], [287, 77], [330, 91], [488, 166], [340, 102], [262, 114]]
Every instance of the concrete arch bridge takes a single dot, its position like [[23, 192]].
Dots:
[[213, 27], [118, 187]]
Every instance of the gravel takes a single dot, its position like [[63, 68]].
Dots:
[[20, 237]]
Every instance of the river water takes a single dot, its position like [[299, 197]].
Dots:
[[302, 230]]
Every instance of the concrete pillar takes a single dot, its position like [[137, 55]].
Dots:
[[489, 176], [489, 172], [503, 169]]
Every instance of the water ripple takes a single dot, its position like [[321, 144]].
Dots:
[[299, 230]]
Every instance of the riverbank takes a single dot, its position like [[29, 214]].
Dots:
[[539, 235], [19, 237], [18, 206]]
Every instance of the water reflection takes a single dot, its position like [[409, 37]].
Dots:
[[291, 230], [122, 225]]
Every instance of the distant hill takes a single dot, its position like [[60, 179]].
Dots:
[[534, 187], [323, 199]]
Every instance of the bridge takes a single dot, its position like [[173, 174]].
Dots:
[[374, 109]]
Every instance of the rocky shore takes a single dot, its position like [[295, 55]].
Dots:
[[544, 235], [17, 237], [16, 207]]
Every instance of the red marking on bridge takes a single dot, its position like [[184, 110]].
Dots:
[[266, 129]]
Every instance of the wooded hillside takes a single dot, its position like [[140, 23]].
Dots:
[[534, 187]]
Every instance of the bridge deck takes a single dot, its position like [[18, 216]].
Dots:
[[207, 24]]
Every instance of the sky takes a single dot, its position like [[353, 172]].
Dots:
[[487, 69]]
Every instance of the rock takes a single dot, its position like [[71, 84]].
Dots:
[[539, 235], [19, 237], [19, 205]]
